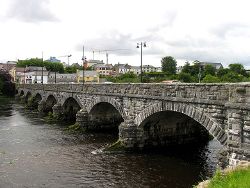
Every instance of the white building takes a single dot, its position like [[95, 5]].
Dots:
[[149, 68]]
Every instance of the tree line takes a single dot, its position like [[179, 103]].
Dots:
[[205, 74], [189, 74], [50, 66]]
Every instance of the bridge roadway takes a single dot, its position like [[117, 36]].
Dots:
[[154, 114]]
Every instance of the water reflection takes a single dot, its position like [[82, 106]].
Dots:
[[36, 154]]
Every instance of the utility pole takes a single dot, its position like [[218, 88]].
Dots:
[[83, 61], [140, 45], [42, 69]]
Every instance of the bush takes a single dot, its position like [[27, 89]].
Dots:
[[210, 79]]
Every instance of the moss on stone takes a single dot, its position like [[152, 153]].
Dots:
[[50, 118], [75, 128], [115, 147]]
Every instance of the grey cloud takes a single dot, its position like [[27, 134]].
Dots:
[[31, 11], [223, 30], [120, 44], [169, 18]]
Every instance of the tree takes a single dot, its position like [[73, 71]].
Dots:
[[185, 77], [209, 70], [57, 67], [238, 68], [232, 77], [168, 65], [186, 68], [221, 72]]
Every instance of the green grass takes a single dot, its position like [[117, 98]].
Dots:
[[239, 178]]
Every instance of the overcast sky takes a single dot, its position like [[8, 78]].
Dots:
[[205, 30]]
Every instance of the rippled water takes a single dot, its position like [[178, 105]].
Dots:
[[36, 154]]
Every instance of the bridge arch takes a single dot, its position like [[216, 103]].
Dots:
[[37, 99], [21, 93], [109, 100], [104, 116], [189, 110], [50, 101], [70, 109]]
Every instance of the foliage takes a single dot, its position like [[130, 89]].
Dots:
[[209, 70], [71, 69], [168, 65], [221, 72], [115, 147], [124, 78], [237, 68], [232, 77], [234, 179], [58, 67], [210, 79], [186, 77]]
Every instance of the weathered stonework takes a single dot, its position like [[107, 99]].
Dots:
[[222, 109]]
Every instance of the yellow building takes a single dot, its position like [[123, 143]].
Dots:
[[89, 76]]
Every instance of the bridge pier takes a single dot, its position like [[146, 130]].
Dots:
[[41, 107], [82, 117], [130, 135], [57, 111], [238, 144]]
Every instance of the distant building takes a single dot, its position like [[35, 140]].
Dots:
[[62, 78], [35, 74], [215, 65], [76, 65], [179, 69], [149, 68], [89, 76], [91, 63], [121, 68], [53, 60], [135, 69], [103, 69]]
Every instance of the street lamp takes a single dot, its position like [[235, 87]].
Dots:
[[83, 68], [68, 58], [42, 69], [141, 44]]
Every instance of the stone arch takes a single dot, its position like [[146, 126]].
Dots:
[[204, 119], [37, 97], [67, 96], [50, 101], [70, 108], [21, 93], [109, 100], [50, 95]]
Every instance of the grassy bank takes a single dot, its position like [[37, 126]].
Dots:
[[238, 177]]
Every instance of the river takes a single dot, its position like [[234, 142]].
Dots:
[[34, 153]]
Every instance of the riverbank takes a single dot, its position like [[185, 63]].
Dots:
[[231, 177]]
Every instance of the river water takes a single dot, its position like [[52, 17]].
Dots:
[[36, 154]]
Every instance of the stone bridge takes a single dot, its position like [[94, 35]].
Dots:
[[148, 115]]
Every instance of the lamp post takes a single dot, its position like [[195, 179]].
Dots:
[[55, 76], [141, 44], [68, 58], [199, 74], [83, 68], [42, 69]]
